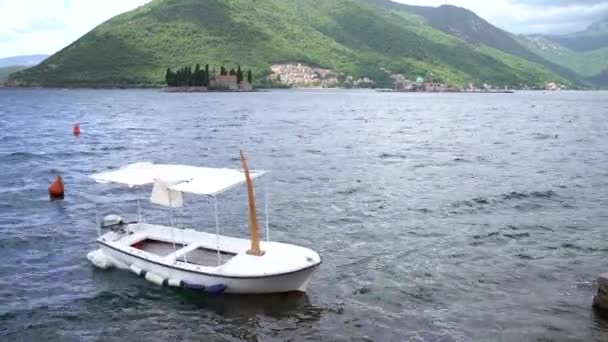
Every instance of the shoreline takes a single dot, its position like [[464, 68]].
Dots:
[[264, 89]]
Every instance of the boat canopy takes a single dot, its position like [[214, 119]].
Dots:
[[183, 178]]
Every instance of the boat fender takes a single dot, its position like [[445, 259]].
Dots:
[[99, 259], [138, 270], [194, 287], [216, 289], [154, 278], [174, 282]]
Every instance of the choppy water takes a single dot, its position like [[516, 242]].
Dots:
[[451, 217]]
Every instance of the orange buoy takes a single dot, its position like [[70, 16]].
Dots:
[[56, 189], [76, 130]]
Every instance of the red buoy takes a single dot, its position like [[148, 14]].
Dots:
[[56, 189], [76, 130]]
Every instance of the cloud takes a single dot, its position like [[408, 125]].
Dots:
[[46, 26], [532, 16]]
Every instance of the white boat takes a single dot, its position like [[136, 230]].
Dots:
[[193, 259]]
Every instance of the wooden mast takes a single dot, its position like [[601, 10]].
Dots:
[[254, 228]]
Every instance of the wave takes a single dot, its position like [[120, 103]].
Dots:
[[391, 156], [545, 136], [481, 203]]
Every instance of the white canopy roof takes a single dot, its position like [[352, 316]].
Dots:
[[192, 179]]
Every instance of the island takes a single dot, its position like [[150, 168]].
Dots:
[[185, 79]]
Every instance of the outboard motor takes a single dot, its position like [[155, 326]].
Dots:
[[112, 222]]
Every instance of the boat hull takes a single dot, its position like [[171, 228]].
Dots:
[[293, 281]]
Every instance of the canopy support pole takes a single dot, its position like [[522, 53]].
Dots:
[[217, 231], [138, 211], [171, 221], [266, 213], [98, 222]]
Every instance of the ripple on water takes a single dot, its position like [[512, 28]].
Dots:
[[435, 223]]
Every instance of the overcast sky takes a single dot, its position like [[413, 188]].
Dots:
[[46, 26]]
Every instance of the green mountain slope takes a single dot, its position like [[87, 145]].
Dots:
[[6, 71], [588, 63], [468, 26], [585, 52], [355, 37]]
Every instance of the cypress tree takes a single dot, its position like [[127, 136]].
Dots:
[[198, 80], [249, 77], [239, 75], [189, 76], [206, 79]]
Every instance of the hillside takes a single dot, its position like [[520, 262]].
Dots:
[[359, 38], [468, 26], [6, 71], [592, 38], [587, 63], [585, 52]]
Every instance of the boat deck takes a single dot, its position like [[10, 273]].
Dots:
[[205, 257], [199, 256], [161, 248]]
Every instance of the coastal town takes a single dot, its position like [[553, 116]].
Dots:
[[299, 75]]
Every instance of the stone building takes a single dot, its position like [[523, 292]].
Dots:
[[224, 82]]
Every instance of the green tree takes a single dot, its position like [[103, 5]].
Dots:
[[223, 71], [206, 79], [249, 77], [169, 77], [198, 79], [189, 77], [239, 75]]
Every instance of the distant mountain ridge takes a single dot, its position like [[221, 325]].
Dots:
[[10, 65], [584, 52], [592, 38], [467, 25], [27, 60], [359, 38]]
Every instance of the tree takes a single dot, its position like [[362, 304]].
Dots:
[[206, 78], [198, 79], [189, 76], [170, 78], [232, 72], [239, 75], [223, 71], [249, 77]]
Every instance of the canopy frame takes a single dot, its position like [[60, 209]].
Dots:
[[206, 181]]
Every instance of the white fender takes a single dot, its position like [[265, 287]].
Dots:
[[135, 269], [154, 278], [99, 259]]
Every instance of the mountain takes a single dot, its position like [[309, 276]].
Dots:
[[359, 38], [29, 60], [585, 52], [593, 38], [467, 25], [13, 64], [6, 71], [587, 63]]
